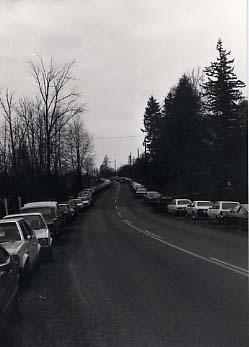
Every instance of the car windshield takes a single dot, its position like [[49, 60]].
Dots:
[[35, 222], [45, 211], [228, 205], [154, 195], [183, 202], [9, 232], [204, 203]]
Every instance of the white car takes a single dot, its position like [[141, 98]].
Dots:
[[198, 209], [20, 241], [219, 209], [39, 226], [178, 206], [140, 192]]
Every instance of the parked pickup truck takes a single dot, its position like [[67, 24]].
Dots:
[[178, 206], [219, 209], [198, 209], [50, 212]]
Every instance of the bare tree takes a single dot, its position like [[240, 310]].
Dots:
[[8, 111], [57, 99]]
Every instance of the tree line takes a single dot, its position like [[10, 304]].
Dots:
[[197, 138], [43, 138]]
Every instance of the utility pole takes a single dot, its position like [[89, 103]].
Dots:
[[115, 166], [138, 153]]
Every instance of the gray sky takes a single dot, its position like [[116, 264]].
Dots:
[[125, 50]]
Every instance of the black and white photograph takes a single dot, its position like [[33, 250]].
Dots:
[[124, 173]]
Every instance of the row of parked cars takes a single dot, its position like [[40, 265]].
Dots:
[[29, 236], [222, 212]]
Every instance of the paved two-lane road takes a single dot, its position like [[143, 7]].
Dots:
[[126, 276]]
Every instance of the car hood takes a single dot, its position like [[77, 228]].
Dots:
[[41, 233], [12, 247]]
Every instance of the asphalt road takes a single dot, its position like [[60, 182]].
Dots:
[[124, 275]]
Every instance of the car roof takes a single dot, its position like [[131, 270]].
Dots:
[[11, 220], [40, 204], [235, 202], [20, 215], [202, 201]]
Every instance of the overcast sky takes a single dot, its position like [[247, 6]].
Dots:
[[125, 50]]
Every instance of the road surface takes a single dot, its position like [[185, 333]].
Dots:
[[126, 276]]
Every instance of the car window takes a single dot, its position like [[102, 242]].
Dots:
[[4, 255], [183, 202], [9, 232], [28, 229], [236, 209], [35, 222], [24, 231], [228, 205], [242, 211]]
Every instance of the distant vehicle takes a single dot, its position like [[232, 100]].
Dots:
[[198, 209], [162, 203], [219, 209], [140, 192], [238, 216], [20, 241], [151, 197], [10, 300], [87, 200], [178, 206], [50, 212], [137, 186], [79, 204], [39, 226]]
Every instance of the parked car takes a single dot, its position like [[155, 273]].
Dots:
[[50, 212], [66, 213], [140, 192], [40, 228], [198, 209], [151, 197], [20, 241], [162, 203], [238, 216], [178, 206], [73, 207], [79, 204], [87, 200], [219, 209], [10, 299]]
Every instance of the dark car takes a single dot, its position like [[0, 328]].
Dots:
[[162, 203], [10, 300], [151, 197], [238, 216], [66, 213]]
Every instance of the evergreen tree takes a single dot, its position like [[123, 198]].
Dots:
[[181, 135], [222, 93], [152, 123]]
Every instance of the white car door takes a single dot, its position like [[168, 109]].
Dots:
[[32, 243]]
